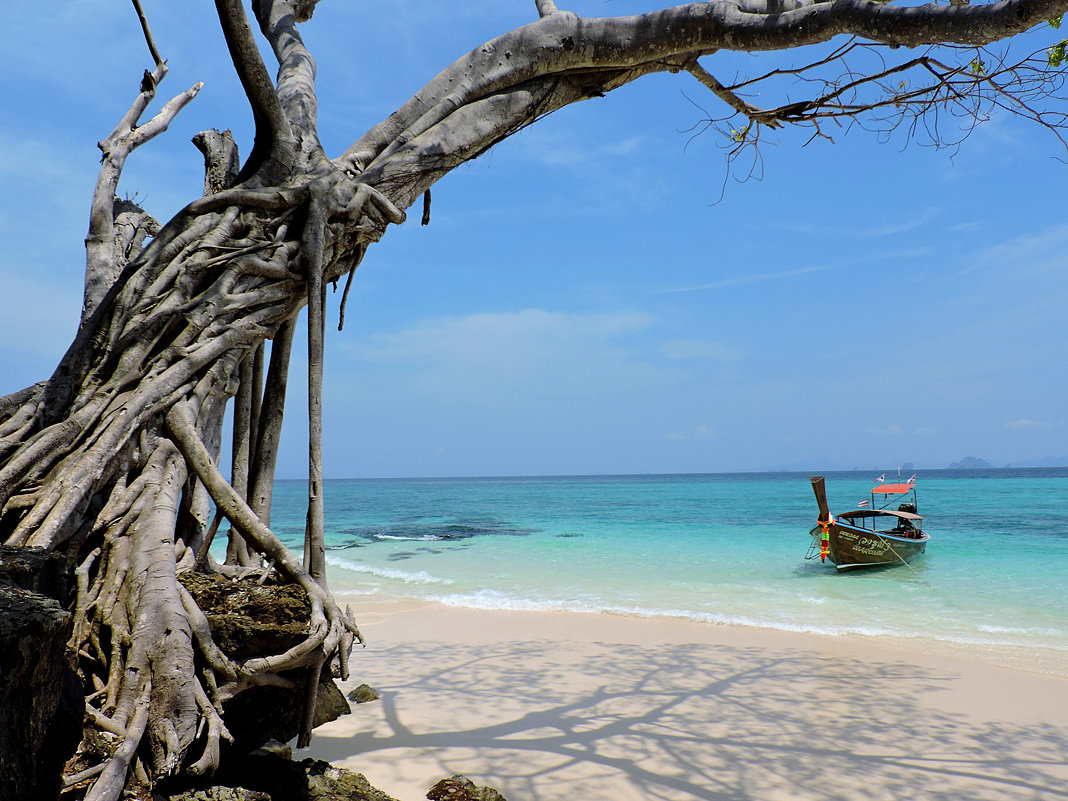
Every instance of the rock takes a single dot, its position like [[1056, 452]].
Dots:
[[250, 619], [247, 618], [281, 779], [329, 783], [461, 788], [273, 713], [36, 569], [219, 794], [363, 694], [274, 748], [41, 703]]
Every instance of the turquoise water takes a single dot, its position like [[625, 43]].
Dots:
[[717, 548]]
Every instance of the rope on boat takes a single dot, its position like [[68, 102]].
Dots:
[[906, 564]]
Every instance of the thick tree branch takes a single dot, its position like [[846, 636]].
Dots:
[[274, 147], [296, 72], [562, 43]]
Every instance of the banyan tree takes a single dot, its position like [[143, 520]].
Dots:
[[112, 461]]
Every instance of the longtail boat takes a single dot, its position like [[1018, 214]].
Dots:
[[872, 535]]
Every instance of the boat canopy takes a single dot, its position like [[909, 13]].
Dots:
[[892, 489], [881, 513]]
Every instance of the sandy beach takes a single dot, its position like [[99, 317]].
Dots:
[[552, 706]]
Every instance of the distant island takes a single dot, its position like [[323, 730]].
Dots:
[[971, 463], [906, 468]]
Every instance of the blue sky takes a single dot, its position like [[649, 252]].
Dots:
[[580, 302]]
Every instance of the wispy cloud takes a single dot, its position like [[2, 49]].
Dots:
[[1026, 425], [1045, 249], [700, 349], [698, 432], [890, 429], [624, 147], [508, 357], [557, 149], [757, 278], [753, 279], [889, 227]]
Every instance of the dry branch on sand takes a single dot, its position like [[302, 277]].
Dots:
[[112, 461]]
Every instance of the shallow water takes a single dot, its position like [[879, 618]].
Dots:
[[719, 548]]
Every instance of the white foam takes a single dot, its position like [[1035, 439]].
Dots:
[[418, 577], [413, 538], [493, 599]]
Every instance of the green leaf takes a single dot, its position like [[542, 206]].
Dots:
[[1056, 55]]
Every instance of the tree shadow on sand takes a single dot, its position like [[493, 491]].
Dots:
[[541, 721]]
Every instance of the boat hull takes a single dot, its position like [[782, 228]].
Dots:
[[851, 548]]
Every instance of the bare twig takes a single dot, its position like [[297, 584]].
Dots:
[[156, 57]]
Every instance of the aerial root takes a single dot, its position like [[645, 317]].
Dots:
[[327, 622], [209, 761], [113, 777], [373, 211]]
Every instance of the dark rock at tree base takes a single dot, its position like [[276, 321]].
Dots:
[[36, 569], [219, 794], [41, 701], [363, 694], [273, 713], [461, 788], [264, 776], [249, 619]]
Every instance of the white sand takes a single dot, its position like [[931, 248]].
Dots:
[[555, 707]]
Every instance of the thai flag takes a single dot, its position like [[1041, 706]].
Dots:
[[881, 478], [912, 479], [862, 504]]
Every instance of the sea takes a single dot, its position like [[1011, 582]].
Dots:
[[722, 548]]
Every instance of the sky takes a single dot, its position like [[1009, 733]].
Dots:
[[594, 295]]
